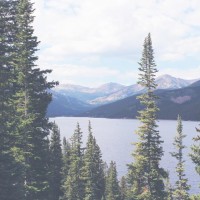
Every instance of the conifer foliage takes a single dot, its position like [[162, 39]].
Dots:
[[93, 174], [112, 191], [147, 175], [73, 185], [11, 186], [32, 99], [55, 164], [195, 154], [181, 190], [24, 99]]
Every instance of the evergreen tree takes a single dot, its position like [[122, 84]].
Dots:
[[147, 175], [66, 163], [169, 189], [31, 102], [73, 187], [112, 186], [65, 157], [181, 190], [99, 175], [195, 154], [55, 164], [93, 174], [195, 197], [11, 185], [123, 188]]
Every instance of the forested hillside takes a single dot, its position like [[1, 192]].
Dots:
[[184, 101]]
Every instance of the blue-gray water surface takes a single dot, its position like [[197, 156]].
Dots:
[[115, 138]]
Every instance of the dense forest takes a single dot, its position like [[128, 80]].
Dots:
[[35, 165]]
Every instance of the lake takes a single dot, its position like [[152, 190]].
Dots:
[[115, 138]]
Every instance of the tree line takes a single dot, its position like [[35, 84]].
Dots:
[[34, 165]]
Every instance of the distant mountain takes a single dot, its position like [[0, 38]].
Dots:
[[195, 84], [121, 94], [163, 82], [62, 105], [170, 82], [109, 88], [71, 100], [87, 94], [184, 101]]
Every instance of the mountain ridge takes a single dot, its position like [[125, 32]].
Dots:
[[78, 99], [183, 101]]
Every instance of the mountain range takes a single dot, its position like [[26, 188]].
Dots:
[[114, 100]]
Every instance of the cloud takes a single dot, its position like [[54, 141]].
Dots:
[[71, 28], [189, 73], [92, 29]]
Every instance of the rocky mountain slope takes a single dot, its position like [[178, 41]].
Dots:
[[184, 101]]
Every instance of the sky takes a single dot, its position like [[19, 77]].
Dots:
[[92, 42]]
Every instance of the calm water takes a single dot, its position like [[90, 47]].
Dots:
[[115, 136]]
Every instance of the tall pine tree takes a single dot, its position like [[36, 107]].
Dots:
[[93, 174], [11, 184], [65, 159], [55, 164], [181, 190], [73, 186], [31, 101], [123, 188], [112, 191], [147, 175], [195, 154]]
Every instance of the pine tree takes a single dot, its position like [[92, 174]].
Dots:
[[31, 102], [55, 164], [147, 175], [65, 157], [66, 163], [93, 174], [11, 185], [169, 189], [73, 187], [181, 190], [195, 197], [123, 188], [112, 186], [99, 175], [195, 154]]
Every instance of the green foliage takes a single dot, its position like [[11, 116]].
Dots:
[[65, 157], [112, 191], [195, 155], [181, 190], [11, 185], [146, 175], [73, 186], [195, 197], [24, 99], [123, 188], [55, 164], [93, 174]]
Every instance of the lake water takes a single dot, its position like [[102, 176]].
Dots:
[[115, 138]]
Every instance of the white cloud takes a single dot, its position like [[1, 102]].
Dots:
[[190, 73], [100, 27], [88, 29]]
